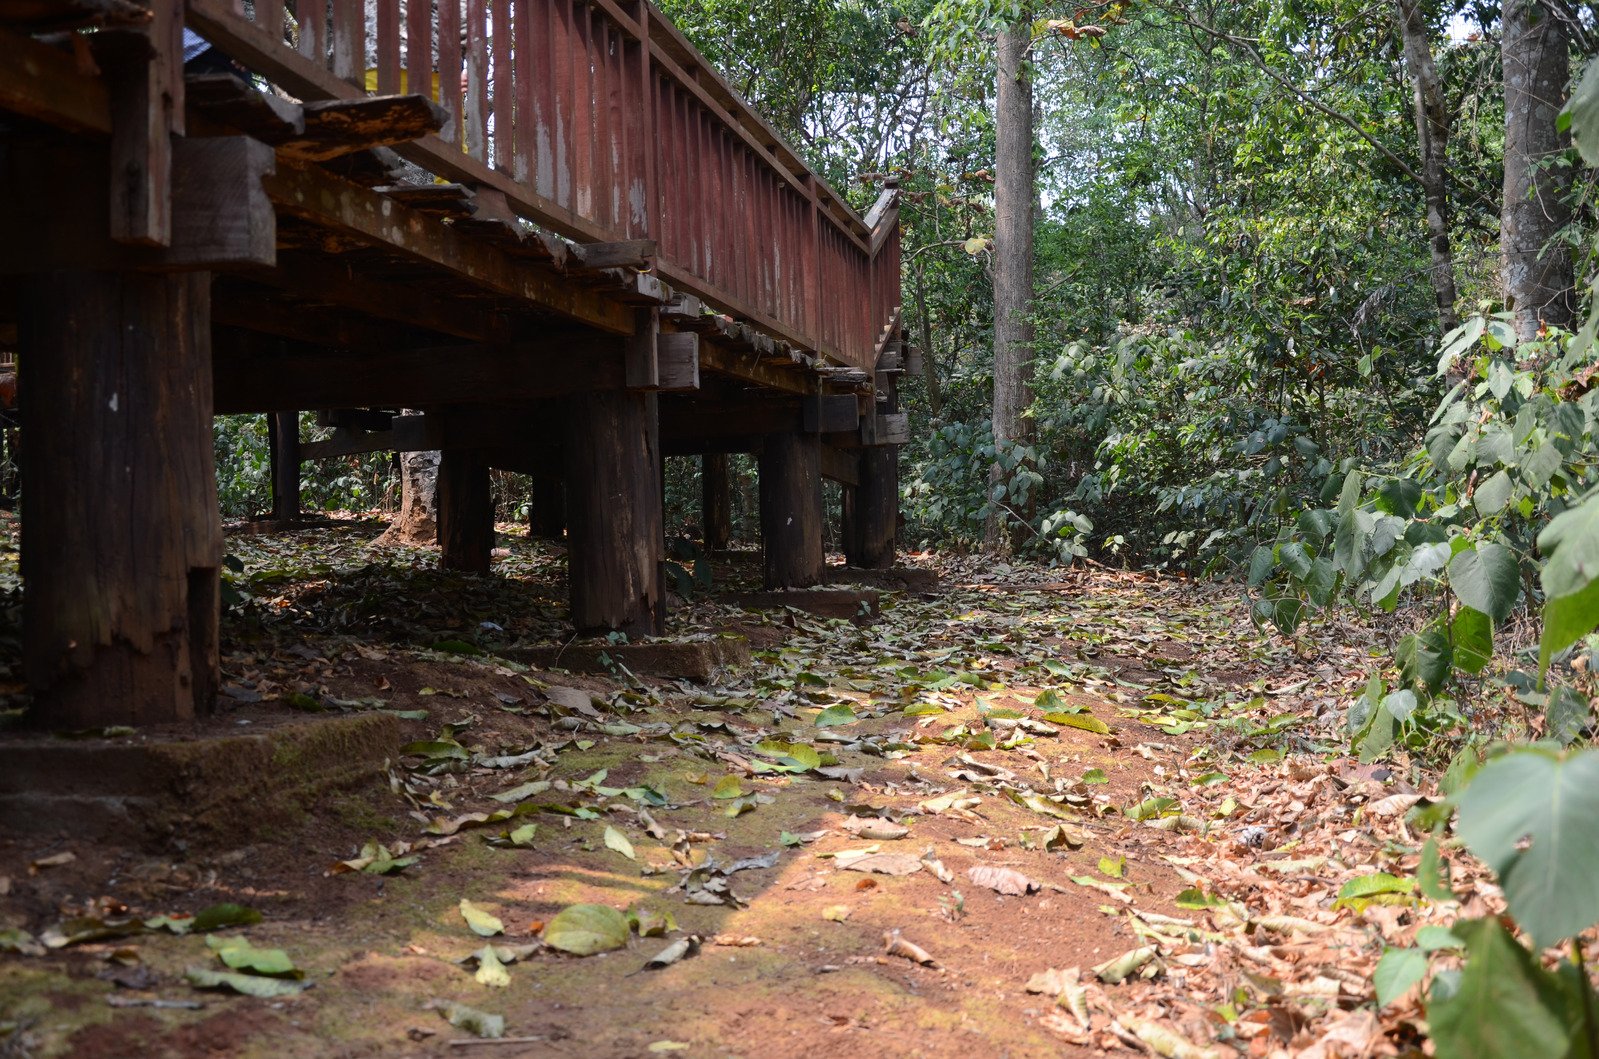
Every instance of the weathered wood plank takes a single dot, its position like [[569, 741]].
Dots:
[[344, 126], [48, 84], [226, 101]]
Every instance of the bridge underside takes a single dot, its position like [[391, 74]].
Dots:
[[256, 255]]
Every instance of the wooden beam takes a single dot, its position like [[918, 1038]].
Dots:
[[145, 71], [631, 253], [678, 361], [841, 465], [747, 414], [311, 195], [335, 127], [326, 280], [642, 361], [49, 84], [748, 367], [225, 101], [255, 373], [829, 413], [221, 216]]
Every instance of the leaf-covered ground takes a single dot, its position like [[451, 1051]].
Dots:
[[1028, 813]]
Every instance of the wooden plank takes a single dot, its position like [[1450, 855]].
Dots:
[[45, 16], [256, 373], [438, 200], [628, 253], [349, 43], [502, 87], [388, 44], [678, 362], [306, 193], [477, 81], [450, 93], [414, 433], [344, 126], [221, 216], [45, 83]]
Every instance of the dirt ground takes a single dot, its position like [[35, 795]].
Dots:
[[1104, 811]]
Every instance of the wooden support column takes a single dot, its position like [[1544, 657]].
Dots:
[[871, 509], [466, 511], [546, 516], [615, 536], [283, 429], [122, 541], [716, 501], [791, 510]]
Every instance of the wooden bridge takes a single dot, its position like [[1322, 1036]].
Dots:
[[538, 235]]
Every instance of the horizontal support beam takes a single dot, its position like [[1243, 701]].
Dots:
[[221, 216], [45, 83], [312, 195], [255, 373], [841, 465]]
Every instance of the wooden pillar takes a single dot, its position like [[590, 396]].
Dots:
[[284, 431], [791, 510], [466, 511], [546, 514], [871, 509], [716, 502], [122, 539], [613, 510]]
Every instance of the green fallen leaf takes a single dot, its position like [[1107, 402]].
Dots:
[[617, 841], [483, 923], [247, 984], [1095, 776], [836, 715], [584, 930], [239, 955], [518, 838], [1079, 720], [728, 787]]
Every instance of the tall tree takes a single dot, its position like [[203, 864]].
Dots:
[[1432, 135], [1015, 201], [1537, 275]]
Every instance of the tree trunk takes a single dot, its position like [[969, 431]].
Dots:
[[122, 538], [935, 393], [283, 429], [1537, 275], [416, 524], [1015, 199], [1432, 135], [716, 502]]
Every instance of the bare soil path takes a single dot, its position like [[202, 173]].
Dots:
[[1032, 813]]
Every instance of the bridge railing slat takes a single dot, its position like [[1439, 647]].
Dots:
[[602, 123]]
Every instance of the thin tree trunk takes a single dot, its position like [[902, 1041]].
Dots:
[[1432, 134], [935, 394], [416, 523], [1014, 203], [1537, 275]]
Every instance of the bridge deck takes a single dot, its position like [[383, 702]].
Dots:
[[569, 249]]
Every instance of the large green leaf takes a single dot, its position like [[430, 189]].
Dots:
[[1473, 636], [1396, 972], [1582, 114], [1570, 578], [1487, 578], [1506, 1006], [1531, 815]]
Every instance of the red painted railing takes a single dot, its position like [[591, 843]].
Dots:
[[602, 123]]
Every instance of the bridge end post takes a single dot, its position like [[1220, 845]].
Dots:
[[615, 532], [871, 510], [122, 539], [791, 510]]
